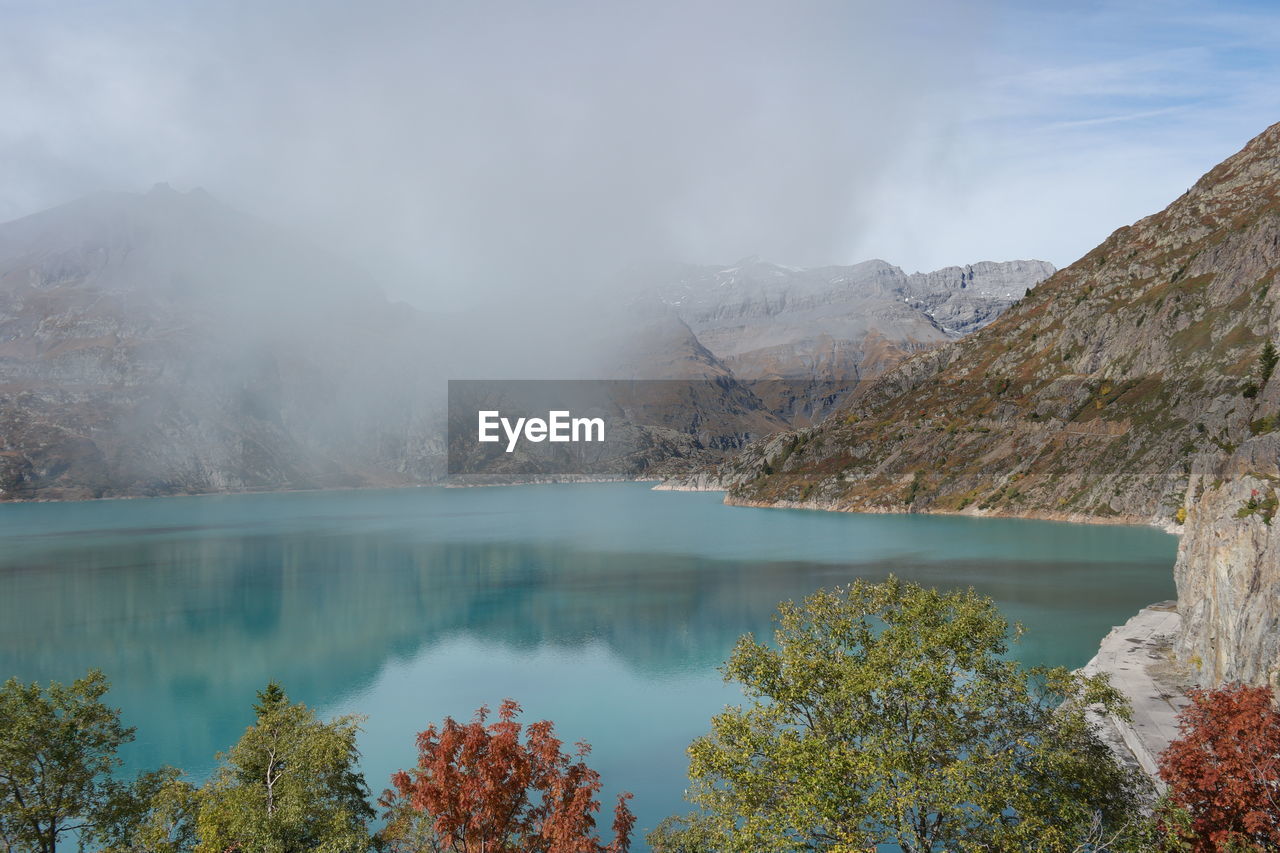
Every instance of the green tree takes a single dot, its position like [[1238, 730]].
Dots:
[[290, 785], [886, 713], [158, 817], [270, 698], [57, 756], [1267, 362]]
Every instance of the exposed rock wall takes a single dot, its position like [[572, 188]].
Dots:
[[1228, 569], [964, 299], [839, 322]]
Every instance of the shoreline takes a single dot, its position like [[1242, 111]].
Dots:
[[1164, 525], [550, 481], [381, 487], [1034, 515]]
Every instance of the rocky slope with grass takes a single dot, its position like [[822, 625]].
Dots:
[[1129, 387]]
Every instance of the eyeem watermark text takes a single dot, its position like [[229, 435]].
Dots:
[[559, 426]]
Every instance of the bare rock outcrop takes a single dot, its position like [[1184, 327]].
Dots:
[[844, 323], [1228, 568]]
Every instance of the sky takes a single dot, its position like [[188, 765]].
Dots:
[[476, 153]]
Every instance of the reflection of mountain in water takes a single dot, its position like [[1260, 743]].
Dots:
[[208, 619]]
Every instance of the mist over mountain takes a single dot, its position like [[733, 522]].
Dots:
[[165, 343]]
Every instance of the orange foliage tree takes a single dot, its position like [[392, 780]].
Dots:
[[479, 789], [1224, 768]]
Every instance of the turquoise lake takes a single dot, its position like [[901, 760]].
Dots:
[[605, 608]]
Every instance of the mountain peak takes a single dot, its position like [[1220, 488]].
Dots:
[[163, 193]]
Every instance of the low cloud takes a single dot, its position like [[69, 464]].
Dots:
[[476, 155]]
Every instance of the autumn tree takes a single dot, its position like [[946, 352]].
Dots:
[[1224, 769], [888, 714], [57, 759], [480, 788], [290, 785]]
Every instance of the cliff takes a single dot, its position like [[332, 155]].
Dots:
[[1228, 568], [843, 323], [1127, 387]]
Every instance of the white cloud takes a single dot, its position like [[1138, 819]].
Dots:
[[467, 150]]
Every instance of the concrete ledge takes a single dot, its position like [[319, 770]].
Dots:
[[1134, 656]]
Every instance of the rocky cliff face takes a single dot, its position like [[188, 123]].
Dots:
[[965, 299], [842, 323], [1126, 387], [1228, 568]]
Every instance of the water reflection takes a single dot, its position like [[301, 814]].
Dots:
[[409, 616]]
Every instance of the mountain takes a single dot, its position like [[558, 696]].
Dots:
[[670, 404], [841, 322], [165, 343], [1130, 386], [805, 338]]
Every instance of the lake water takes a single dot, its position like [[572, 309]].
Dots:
[[605, 608]]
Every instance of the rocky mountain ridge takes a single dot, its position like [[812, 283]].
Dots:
[[839, 322]]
